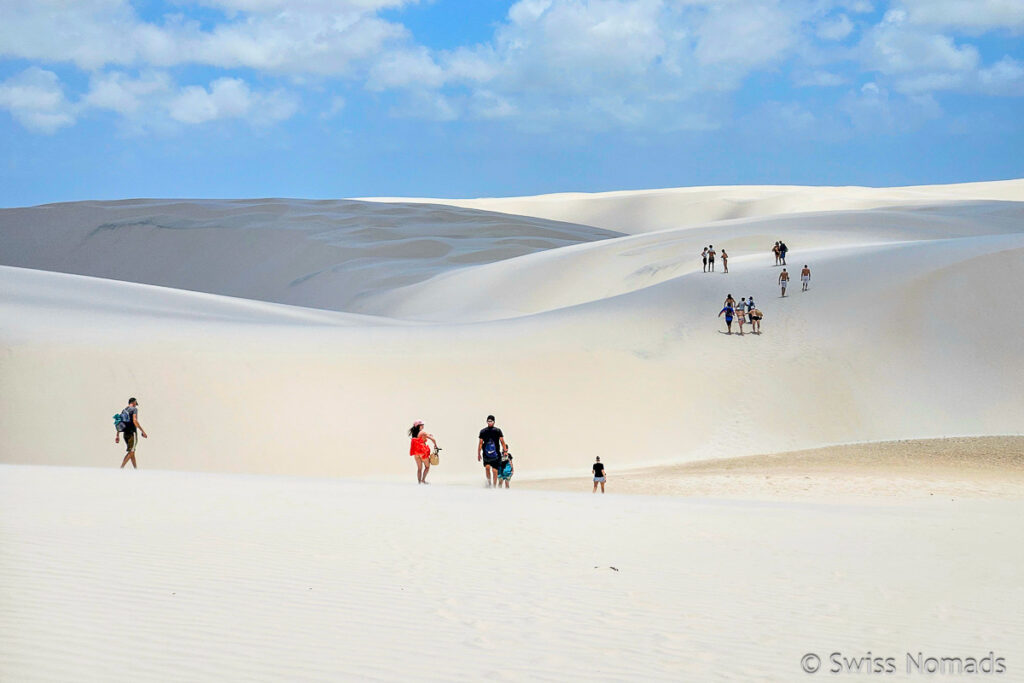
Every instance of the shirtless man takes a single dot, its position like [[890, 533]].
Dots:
[[783, 281], [755, 320], [711, 258], [805, 277]]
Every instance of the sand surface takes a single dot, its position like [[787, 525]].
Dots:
[[892, 471], [114, 575], [280, 350]]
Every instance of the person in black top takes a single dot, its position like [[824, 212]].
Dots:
[[598, 469], [489, 450]]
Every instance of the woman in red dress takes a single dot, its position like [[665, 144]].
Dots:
[[420, 451]]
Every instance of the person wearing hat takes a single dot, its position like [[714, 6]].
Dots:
[[420, 451], [130, 419]]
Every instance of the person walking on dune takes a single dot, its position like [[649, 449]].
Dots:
[[783, 250], [755, 320], [750, 306], [599, 474], [783, 281], [729, 301], [489, 450], [805, 277], [711, 258], [420, 451], [725, 261], [728, 311], [132, 428], [775, 250], [704, 258], [507, 469]]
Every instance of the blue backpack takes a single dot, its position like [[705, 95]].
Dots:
[[122, 420], [491, 451]]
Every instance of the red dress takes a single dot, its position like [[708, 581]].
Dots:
[[418, 446]]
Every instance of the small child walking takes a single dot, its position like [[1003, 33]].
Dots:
[[507, 469]]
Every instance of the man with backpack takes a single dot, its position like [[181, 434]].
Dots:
[[130, 427], [489, 450]]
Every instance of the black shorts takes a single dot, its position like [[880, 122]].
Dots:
[[130, 439], [496, 463]]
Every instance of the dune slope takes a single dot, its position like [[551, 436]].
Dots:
[[910, 330]]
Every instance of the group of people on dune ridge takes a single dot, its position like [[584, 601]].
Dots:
[[746, 312]]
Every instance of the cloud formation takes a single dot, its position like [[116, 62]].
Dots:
[[587, 63]]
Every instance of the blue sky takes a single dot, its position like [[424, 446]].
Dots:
[[105, 99]]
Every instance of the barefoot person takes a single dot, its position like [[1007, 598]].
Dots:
[[711, 258], [489, 450], [755, 320], [783, 281], [783, 250], [725, 261], [805, 277], [750, 306], [704, 258], [132, 428], [599, 478], [728, 311], [420, 451], [775, 250]]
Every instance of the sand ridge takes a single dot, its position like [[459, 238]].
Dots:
[[890, 471]]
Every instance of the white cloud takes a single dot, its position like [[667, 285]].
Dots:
[[117, 91], [970, 15], [892, 47], [407, 68], [337, 105], [36, 100], [606, 62], [916, 60], [594, 64], [819, 79], [327, 38], [488, 105], [758, 34], [1005, 77], [857, 6], [835, 28], [230, 98]]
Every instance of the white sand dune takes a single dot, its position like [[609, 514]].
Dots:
[[635, 211], [157, 576], [278, 337], [911, 330], [323, 254]]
